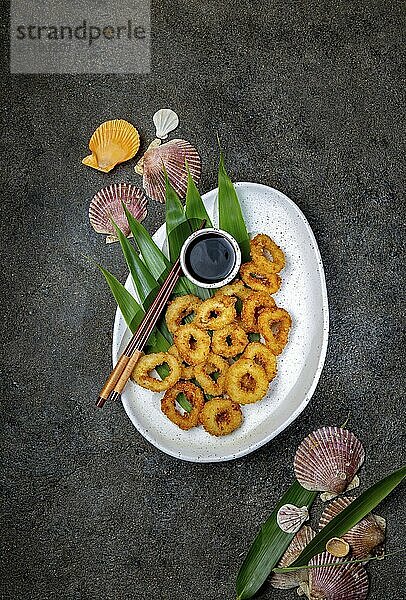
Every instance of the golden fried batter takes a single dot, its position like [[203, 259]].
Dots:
[[187, 371], [260, 279], [220, 416], [147, 363], [229, 341], [213, 364], [252, 307], [266, 254], [194, 396], [246, 382], [216, 312], [193, 343], [274, 325], [180, 308], [262, 356]]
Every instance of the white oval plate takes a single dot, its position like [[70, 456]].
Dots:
[[303, 293]]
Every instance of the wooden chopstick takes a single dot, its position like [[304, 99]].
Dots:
[[119, 374]]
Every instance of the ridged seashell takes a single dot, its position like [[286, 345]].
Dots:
[[290, 518], [173, 156], [106, 205], [345, 582], [165, 121], [284, 581], [366, 538], [112, 143], [327, 460], [337, 547]]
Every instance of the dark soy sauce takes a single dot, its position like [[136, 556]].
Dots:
[[210, 258]]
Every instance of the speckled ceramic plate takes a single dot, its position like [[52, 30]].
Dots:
[[303, 294]]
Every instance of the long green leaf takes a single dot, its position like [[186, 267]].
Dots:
[[351, 515], [130, 309], [230, 214], [145, 284], [178, 227], [269, 545], [195, 209], [154, 259]]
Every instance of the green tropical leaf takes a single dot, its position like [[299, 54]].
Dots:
[[146, 285], [195, 209], [154, 259], [130, 309], [269, 545], [230, 214], [351, 515], [178, 227]]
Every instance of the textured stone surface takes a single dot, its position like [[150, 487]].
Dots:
[[306, 97]]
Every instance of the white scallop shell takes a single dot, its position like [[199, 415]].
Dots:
[[290, 518], [328, 459], [106, 206], [284, 581], [165, 121], [173, 156], [345, 582], [366, 538]]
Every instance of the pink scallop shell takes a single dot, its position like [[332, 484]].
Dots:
[[173, 155], [106, 205], [345, 582], [328, 459], [366, 538], [284, 581]]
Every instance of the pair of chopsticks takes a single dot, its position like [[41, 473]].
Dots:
[[133, 351], [122, 371]]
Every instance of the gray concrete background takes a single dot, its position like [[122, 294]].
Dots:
[[306, 97]]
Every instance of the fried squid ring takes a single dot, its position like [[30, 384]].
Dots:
[[246, 382], [204, 373], [193, 343], [180, 308], [194, 396], [220, 416], [260, 279], [186, 371], [237, 289], [216, 312], [262, 356], [266, 254], [147, 363], [252, 307], [274, 325], [229, 341]]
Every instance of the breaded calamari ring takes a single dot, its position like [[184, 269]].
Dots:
[[216, 312], [252, 307], [147, 363], [220, 416], [246, 382], [258, 278], [194, 396], [193, 343], [274, 325], [229, 341], [262, 356], [180, 308], [265, 253], [237, 289], [204, 374], [187, 371]]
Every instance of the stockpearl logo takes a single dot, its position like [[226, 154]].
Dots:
[[79, 38]]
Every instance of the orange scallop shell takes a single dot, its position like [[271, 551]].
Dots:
[[112, 143]]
